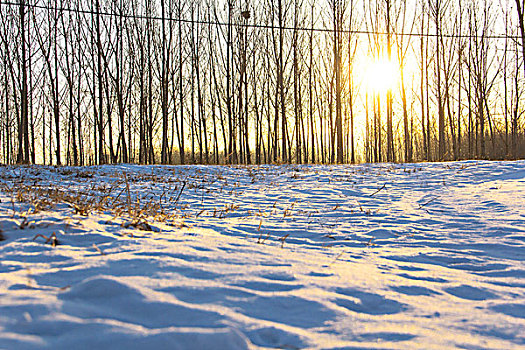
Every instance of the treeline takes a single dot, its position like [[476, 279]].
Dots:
[[210, 82]]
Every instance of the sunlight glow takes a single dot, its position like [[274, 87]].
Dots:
[[381, 75]]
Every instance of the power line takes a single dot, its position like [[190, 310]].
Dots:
[[257, 26]]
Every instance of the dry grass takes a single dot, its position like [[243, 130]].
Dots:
[[110, 199], [52, 239], [131, 203], [283, 238], [98, 249]]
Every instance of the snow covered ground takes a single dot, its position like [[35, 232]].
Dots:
[[425, 256]]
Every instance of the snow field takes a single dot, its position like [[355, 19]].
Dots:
[[391, 256]]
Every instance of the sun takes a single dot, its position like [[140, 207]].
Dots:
[[380, 75]]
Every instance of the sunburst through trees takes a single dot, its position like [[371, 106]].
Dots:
[[212, 81]]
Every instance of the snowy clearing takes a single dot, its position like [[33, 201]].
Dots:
[[172, 257]]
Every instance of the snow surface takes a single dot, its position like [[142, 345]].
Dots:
[[425, 256]]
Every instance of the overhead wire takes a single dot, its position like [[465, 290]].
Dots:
[[255, 25]]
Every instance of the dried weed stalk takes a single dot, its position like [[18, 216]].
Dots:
[[51, 239]]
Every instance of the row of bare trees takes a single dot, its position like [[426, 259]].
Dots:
[[208, 81]]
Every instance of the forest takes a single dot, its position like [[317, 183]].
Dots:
[[253, 82], [262, 174]]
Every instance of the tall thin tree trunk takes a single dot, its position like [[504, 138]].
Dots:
[[23, 135]]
